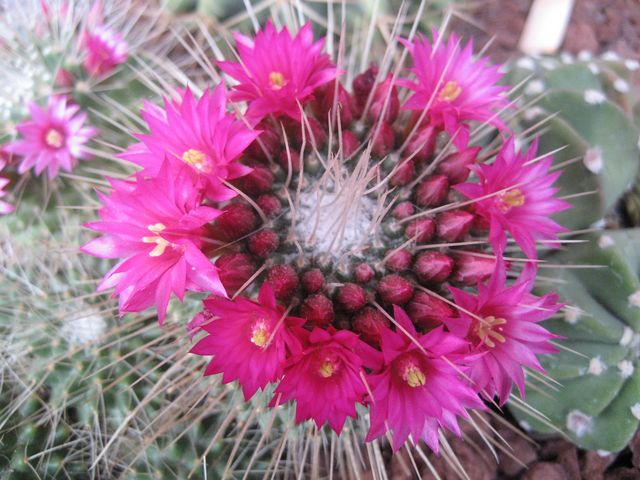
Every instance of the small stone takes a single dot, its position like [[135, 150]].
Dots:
[[545, 471]]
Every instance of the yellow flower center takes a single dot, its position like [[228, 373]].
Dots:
[[260, 334], [54, 138], [414, 376], [196, 159], [327, 368], [489, 330], [277, 80], [161, 243], [510, 199], [450, 92]]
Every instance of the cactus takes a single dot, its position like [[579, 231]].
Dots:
[[597, 400], [595, 122]]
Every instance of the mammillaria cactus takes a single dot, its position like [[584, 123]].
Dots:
[[327, 210]]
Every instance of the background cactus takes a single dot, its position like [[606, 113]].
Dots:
[[596, 399]]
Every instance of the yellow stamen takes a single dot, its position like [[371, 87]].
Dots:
[[510, 199], [489, 330], [277, 80], [414, 376], [327, 368], [450, 92], [260, 335], [162, 244], [54, 138], [196, 159]]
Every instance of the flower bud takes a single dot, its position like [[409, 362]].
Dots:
[[395, 289], [350, 143], [363, 85], [471, 269], [385, 100], [421, 230], [291, 157], [327, 101], [266, 145], [351, 297], [398, 260], [432, 191], [403, 174], [264, 243], [259, 180], [369, 323], [403, 210], [283, 280], [269, 204], [234, 270], [313, 280], [363, 273], [428, 311], [318, 310], [237, 220], [313, 132], [456, 166], [453, 225], [433, 267], [422, 144], [384, 140]]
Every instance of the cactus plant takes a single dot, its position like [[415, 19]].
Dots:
[[597, 400]]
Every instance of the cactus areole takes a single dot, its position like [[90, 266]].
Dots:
[[356, 242]]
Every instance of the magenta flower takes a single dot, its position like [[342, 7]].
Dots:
[[278, 73], [105, 49], [325, 378], [419, 389], [501, 323], [54, 138], [4, 206], [515, 195], [249, 340], [452, 86], [198, 133], [158, 226]]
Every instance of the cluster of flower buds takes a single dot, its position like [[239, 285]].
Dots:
[[353, 243], [54, 137]]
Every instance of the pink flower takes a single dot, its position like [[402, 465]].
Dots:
[[324, 378], [198, 133], [4, 206], [249, 340], [278, 72], [157, 225], [502, 325], [515, 195], [452, 86], [106, 50], [53, 138], [419, 389]]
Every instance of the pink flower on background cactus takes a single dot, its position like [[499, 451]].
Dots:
[[501, 322], [4, 206], [53, 138], [158, 226], [105, 50], [278, 73], [199, 133], [453, 87], [248, 340], [515, 195]]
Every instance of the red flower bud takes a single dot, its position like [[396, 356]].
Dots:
[[350, 143], [255, 182], [433, 267], [404, 173], [313, 132], [283, 280], [269, 204], [369, 323], [456, 166], [422, 144], [432, 191], [327, 101], [421, 229], [313, 280], [237, 220], [385, 99], [266, 145], [291, 156], [235, 269], [384, 140], [395, 289], [428, 311], [351, 297], [264, 243], [403, 210], [318, 310], [363, 85], [454, 225], [471, 269], [363, 273], [398, 260]]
